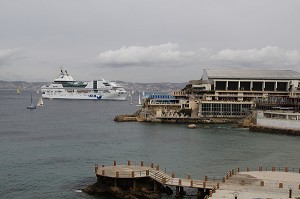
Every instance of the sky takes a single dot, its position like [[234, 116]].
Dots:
[[145, 41]]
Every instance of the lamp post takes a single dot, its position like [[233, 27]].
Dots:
[[290, 191], [235, 195]]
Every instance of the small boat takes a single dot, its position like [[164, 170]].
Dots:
[[140, 103], [130, 99], [192, 126], [18, 91], [40, 102], [31, 106]]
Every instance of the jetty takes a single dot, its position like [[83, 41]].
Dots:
[[146, 181], [135, 181]]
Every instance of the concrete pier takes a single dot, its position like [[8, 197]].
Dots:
[[150, 179], [142, 181]]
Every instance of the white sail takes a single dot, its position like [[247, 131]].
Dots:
[[40, 102], [140, 103], [31, 106]]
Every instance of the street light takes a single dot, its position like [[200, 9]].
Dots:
[[235, 194], [290, 191]]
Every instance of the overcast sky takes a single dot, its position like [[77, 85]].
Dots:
[[145, 40]]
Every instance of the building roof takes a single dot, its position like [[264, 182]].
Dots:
[[251, 74]]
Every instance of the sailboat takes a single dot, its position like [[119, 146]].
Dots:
[[31, 106], [140, 103], [40, 102]]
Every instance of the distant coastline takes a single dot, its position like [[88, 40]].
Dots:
[[129, 86]]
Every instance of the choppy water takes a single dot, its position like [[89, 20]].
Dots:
[[50, 152]]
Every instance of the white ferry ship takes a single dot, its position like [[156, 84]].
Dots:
[[65, 87]]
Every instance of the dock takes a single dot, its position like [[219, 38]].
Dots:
[[137, 177], [139, 180]]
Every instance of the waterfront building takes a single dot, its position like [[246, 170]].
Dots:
[[233, 92], [227, 93]]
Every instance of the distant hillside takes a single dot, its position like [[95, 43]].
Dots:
[[138, 87]]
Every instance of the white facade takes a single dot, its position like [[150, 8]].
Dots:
[[278, 120]]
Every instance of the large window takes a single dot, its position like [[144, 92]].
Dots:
[[269, 86], [233, 86], [257, 86], [245, 86], [220, 85], [216, 109], [281, 86], [226, 109]]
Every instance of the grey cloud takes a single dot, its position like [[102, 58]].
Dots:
[[169, 54], [269, 56], [164, 54]]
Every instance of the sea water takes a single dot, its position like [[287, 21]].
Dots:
[[50, 152]]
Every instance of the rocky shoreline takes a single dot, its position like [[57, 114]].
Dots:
[[98, 188]]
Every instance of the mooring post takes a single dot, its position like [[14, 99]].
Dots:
[[286, 169], [205, 178], [152, 165], [115, 163], [192, 183], [142, 163], [290, 191], [173, 175], [103, 172], [189, 176], [204, 184], [238, 169], [210, 193], [147, 172], [96, 168], [128, 162]]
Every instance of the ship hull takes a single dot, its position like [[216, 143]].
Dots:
[[86, 96]]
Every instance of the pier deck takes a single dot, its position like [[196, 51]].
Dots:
[[137, 171]]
